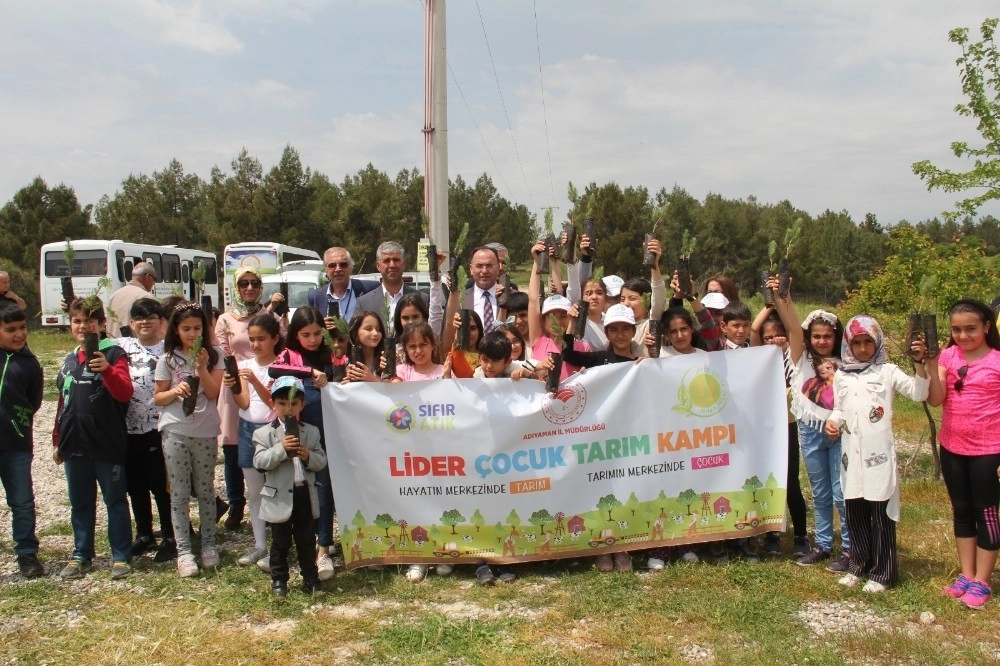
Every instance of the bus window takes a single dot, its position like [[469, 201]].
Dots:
[[211, 269], [86, 263], [185, 273], [171, 269], [154, 258], [120, 266]]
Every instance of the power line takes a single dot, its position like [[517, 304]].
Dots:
[[475, 124], [481, 137], [510, 128], [541, 84]]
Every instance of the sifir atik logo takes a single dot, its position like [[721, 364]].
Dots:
[[399, 418], [431, 416]]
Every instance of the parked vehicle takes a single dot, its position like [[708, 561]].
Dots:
[[111, 262], [298, 278], [265, 257]]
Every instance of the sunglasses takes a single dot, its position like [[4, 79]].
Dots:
[[960, 383], [338, 264], [243, 284]]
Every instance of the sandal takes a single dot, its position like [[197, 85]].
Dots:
[[484, 575]]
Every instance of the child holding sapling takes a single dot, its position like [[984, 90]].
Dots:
[[420, 363], [188, 381], [289, 453], [864, 390], [818, 336], [966, 384], [91, 437], [767, 329], [633, 292], [20, 400], [315, 356], [253, 397], [546, 324], [366, 333]]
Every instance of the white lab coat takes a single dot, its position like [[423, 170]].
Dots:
[[862, 407]]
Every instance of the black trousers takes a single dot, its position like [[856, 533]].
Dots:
[[302, 528], [793, 496], [145, 473], [873, 541]]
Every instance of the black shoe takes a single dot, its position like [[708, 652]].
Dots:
[[234, 519], [142, 544], [279, 588], [29, 566], [312, 586], [772, 543], [166, 552], [220, 508]]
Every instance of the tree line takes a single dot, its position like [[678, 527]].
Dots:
[[292, 204]]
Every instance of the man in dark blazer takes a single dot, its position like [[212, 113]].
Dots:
[[391, 262], [481, 296], [342, 288]]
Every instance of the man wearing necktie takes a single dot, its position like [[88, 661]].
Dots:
[[481, 296]]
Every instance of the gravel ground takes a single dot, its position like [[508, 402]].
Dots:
[[52, 510]]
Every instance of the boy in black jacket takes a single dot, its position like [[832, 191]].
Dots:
[[21, 388]]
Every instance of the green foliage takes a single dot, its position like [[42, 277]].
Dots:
[[979, 67], [792, 235], [688, 244], [463, 238], [548, 221], [772, 250], [920, 275]]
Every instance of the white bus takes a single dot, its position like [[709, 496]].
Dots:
[[94, 260], [265, 257]]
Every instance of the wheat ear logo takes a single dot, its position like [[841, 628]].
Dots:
[[702, 392]]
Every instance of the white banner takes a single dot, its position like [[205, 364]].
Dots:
[[623, 457]]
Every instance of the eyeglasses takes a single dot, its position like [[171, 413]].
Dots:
[[243, 284], [960, 383], [338, 264], [151, 319]]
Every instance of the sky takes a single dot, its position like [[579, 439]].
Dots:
[[824, 104]]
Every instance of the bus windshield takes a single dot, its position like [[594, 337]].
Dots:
[[86, 263]]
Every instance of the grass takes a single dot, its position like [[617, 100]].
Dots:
[[51, 347], [557, 614]]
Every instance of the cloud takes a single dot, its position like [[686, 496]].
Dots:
[[188, 26]]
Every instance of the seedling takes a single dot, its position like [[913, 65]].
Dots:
[[688, 245], [792, 235], [768, 273]]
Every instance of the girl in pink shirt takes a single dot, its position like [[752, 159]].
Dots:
[[967, 385]]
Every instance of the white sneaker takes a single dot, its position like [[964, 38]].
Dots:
[[849, 579], [873, 587], [690, 556], [252, 557], [416, 573], [444, 569], [210, 557], [264, 564], [655, 564], [324, 566], [186, 566]]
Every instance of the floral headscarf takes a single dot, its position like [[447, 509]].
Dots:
[[862, 325], [240, 307]]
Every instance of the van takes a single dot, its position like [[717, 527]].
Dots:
[[301, 277]]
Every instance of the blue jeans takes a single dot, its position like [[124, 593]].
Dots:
[[822, 458], [233, 473], [83, 475], [15, 474], [245, 445]]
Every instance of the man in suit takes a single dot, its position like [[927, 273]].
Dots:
[[391, 262], [342, 288], [481, 296]]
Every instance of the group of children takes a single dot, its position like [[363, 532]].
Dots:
[[138, 415]]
